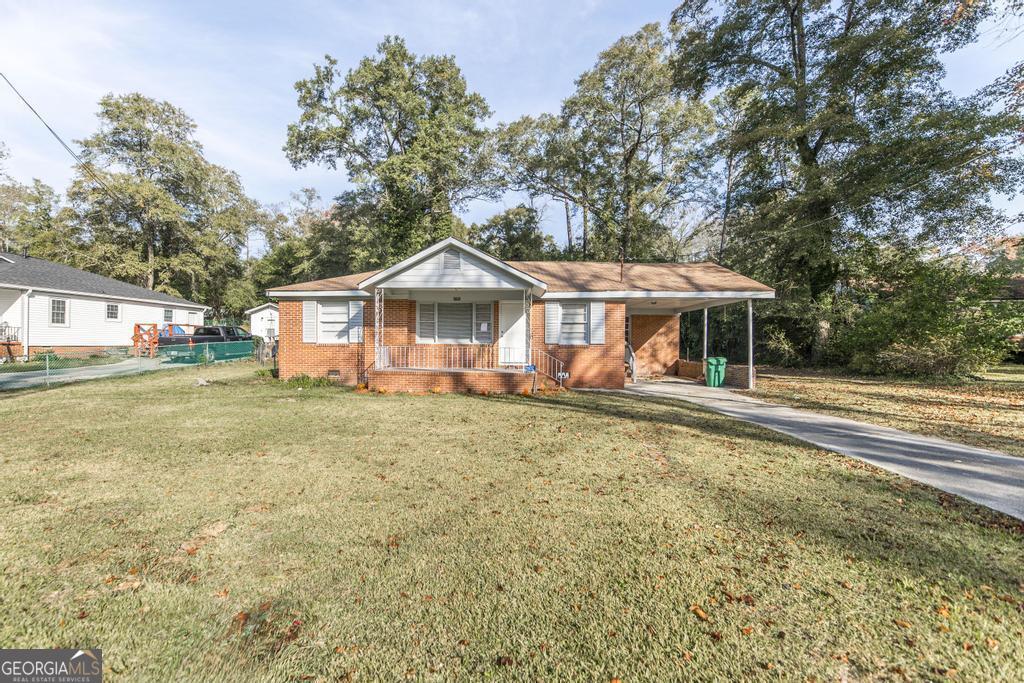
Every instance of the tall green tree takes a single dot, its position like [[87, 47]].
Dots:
[[410, 135], [624, 147], [154, 210], [514, 235], [849, 137]]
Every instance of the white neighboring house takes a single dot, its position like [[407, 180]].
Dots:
[[49, 305], [263, 321]]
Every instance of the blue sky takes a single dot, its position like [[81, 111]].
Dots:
[[231, 66]]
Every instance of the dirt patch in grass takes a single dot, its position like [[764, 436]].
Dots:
[[987, 413], [581, 537]]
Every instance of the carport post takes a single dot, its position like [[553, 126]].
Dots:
[[750, 343], [705, 356]]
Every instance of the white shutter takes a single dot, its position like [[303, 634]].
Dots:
[[426, 330], [552, 321], [596, 322], [309, 322], [355, 321]]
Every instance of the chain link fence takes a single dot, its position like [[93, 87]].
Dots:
[[47, 367]]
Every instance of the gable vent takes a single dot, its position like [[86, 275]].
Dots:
[[452, 260]]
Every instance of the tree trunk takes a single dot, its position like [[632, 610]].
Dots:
[[568, 227], [150, 260], [586, 230]]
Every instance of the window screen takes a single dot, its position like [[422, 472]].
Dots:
[[455, 323], [483, 323], [58, 312], [574, 324], [334, 322]]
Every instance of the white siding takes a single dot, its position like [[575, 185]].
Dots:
[[86, 320], [262, 321], [10, 307], [472, 272]]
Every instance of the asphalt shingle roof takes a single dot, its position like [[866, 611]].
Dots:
[[591, 276], [30, 271]]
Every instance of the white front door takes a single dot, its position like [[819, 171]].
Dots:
[[512, 328]]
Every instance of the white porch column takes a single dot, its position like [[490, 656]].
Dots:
[[750, 343], [378, 328]]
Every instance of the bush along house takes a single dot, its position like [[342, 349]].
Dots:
[[453, 318]]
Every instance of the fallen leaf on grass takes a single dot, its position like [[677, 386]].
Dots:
[[128, 585], [747, 630], [205, 535], [222, 593], [700, 614], [902, 623]]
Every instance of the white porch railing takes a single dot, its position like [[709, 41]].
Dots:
[[468, 357], [440, 357], [9, 333]]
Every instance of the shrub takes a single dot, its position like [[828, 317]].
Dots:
[[307, 382], [930, 317]]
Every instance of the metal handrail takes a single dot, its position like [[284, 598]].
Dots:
[[546, 364], [9, 333], [631, 361]]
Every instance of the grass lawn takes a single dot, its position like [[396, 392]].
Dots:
[[250, 530], [987, 413]]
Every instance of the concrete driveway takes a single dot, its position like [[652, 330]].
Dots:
[[979, 475]]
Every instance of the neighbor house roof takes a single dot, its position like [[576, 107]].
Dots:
[[593, 276], [256, 309], [25, 272]]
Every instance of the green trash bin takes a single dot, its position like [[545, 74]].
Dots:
[[714, 371]]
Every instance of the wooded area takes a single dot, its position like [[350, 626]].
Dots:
[[808, 145]]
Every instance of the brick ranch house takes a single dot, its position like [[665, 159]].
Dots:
[[453, 318]]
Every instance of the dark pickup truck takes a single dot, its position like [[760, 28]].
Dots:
[[206, 335]]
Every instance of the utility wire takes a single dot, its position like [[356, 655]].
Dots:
[[83, 164]]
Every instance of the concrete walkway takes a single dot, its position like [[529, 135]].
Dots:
[[979, 475], [37, 378]]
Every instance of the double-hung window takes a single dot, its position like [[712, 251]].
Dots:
[[168, 315], [113, 312], [333, 322], [454, 323], [59, 312], [574, 324]]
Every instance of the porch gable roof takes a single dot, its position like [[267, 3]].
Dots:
[[380, 278]]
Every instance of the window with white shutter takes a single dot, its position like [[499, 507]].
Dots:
[[596, 319], [573, 324], [333, 322], [426, 328], [552, 321], [355, 321], [483, 315], [309, 322]]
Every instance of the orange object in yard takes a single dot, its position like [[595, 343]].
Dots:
[[145, 339]]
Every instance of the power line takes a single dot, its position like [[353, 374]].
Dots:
[[83, 164]]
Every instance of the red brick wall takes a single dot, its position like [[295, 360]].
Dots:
[[318, 360], [588, 366], [655, 340], [596, 366], [466, 381], [10, 350]]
